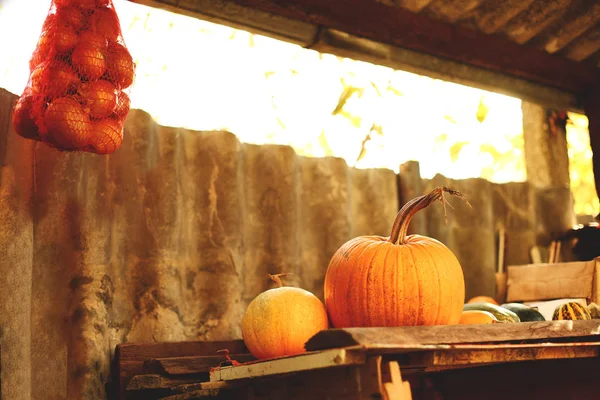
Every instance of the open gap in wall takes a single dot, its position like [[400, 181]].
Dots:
[[204, 76], [580, 165]]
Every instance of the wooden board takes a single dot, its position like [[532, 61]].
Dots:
[[461, 356], [278, 366], [131, 358], [414, 337], [191, 364], [535, 282]]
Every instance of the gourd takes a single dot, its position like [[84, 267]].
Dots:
[[477, 317], [501, 314], [397, 280], [279, 321], [594, 310], [570, 311], [525, 313]]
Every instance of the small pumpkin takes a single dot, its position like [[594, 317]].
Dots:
[[476, 317], [482, 299], [570, 311], [398, 280], [279, 321]]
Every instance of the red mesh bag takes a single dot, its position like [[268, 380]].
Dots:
[[76, 98]]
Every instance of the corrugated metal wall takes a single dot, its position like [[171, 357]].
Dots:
[[170, 238]]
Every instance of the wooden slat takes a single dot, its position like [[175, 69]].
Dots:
[[577, 22], [156, 381], [452, 10], [303, 362], [412, 5], [492, 15], [462, 355], [130, 357], [585, 46], [540, 15], [400, 27], [194, 364], [415, 337], [197, 394]]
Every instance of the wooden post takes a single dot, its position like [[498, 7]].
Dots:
[[592, 110], [546, 156]]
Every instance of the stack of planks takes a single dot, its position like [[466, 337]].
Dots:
[[404, 363]]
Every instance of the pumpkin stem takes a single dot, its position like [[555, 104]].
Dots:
[[277, 279], [400, 228]]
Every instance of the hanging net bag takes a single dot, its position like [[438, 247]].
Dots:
[[76, 98]]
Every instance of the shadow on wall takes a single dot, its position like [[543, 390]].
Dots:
[[170, 237]]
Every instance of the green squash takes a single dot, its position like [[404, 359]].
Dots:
[[525, 313], [501, 314]]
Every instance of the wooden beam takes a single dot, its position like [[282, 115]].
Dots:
[[344, 44], [592, 110], [415, 337], [402, 28]]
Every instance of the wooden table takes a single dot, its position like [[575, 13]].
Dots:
[[549, 360]]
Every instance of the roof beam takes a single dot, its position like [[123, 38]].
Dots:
[[391, 36], [402, 28]]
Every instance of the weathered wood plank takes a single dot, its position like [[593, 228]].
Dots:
[[453, 10], [462, 355], [157, 381], [303, 362], [194, 365], [413, 337], [492, 15], [197, 394], [546, 379], [584, 46], [535, 19], [580, 17], [130, 357]]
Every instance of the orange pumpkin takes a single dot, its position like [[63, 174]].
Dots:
[[396, 281], [471, 317], [483, 299], [278, 322]]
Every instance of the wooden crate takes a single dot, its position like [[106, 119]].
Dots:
[[522, 361]]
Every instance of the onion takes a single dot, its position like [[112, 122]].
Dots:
[[123, 105], [71, 16], [44, 44], [22, 119], [41, 52], [106, 136], [121, 68], [89, 61], [94, 39], [107, 24], [54, 81], [101, 98], [67, 124], [65, 38]]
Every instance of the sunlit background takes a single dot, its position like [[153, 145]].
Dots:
[[204, 76]]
